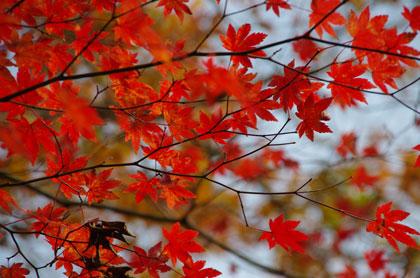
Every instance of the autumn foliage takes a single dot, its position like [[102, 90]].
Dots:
[[157, 138]]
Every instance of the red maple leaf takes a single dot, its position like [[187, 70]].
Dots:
[[284, 234], [240, 41], [177, 5], [180, 244], [276, 5], [348, 273], [361, 179], [366, 31], [347, 144], [173, 190], [48, 218], [78, 117], [417, 163], [320, 8], [413, 17], [5, 200], [305, 48], [345, 74], [384, 71], [144, 186], [196, 270], [290, 87], [70, 184], [15, 271], [249, 169], [214, 128], [312, 114], [375, 260], [99, 186], [153, 261], [33, 134], [385, 226]]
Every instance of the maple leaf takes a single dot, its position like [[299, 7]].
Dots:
[[214, 83], [15, 271], [84, 36], [348, 273], [240, 41], [257, 103], [276, 5], [214, 128], [312, 114], [196, 270], [388, 274], [70, 184], [177, 5], [49, 220], [180, 244], [289, 88], [366, 32], [5, 200], [413, 17], [383, 71], [284, 234], [98, 186], [134, 27], [179, 121], [33, 134], [306, 49], [153, 261], [345, 74], [78, 117], [347, 144], [385, 226], [320, 8], [173, 190], [361, 179], [24, 80], [144, 186], [137, 126], [375, 260], [417, 163], [249, 169]]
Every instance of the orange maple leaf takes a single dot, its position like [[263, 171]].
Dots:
[[320, 8], [240, 41], [385, 226], [284, 234]]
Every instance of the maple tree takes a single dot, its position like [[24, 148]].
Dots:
[[144, 138]]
